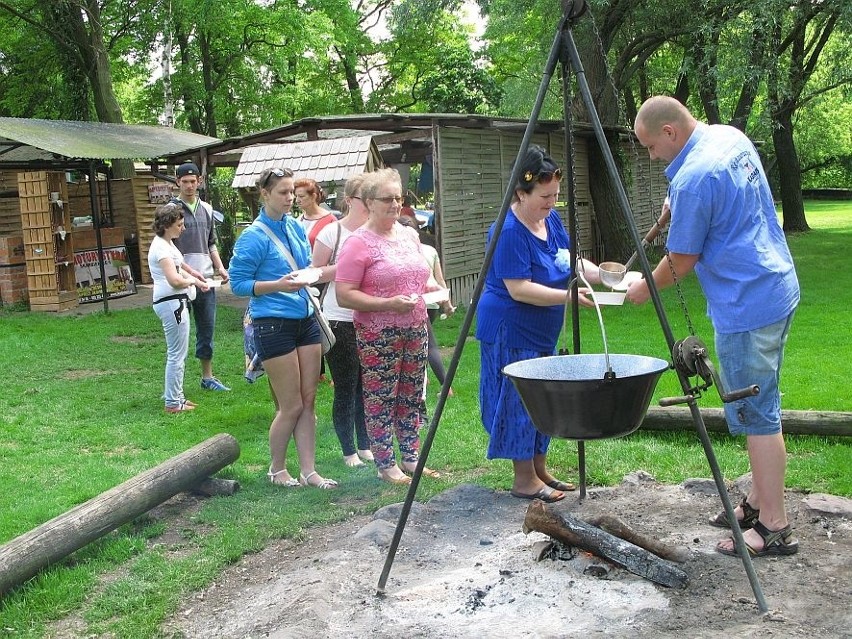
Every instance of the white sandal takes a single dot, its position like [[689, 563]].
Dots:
[[324, 484], [290, 483]]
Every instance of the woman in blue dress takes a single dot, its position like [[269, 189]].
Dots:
[[520, 316]]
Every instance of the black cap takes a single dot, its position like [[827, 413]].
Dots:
[[187, 168]]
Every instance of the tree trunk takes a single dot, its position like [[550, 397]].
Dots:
[[609, 217], [789, 171], [86, 34]]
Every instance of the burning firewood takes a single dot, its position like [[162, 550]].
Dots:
[[578, 533]]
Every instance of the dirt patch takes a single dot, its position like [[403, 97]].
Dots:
[[465, 569], [78, 374]]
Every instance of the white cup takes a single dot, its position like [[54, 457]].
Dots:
[[54, 196]]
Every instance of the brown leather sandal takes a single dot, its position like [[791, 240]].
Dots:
[[775, 542], [750, 516]]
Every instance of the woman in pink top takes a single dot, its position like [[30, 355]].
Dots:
[[381, 275]]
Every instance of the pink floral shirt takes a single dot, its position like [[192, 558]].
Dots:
[[385, 267]]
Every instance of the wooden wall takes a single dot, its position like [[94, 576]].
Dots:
[[131, 211], [472, 167]]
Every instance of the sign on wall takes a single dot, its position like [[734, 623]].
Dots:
[[116, 268]]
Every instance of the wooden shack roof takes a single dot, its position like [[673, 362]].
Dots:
[[326, 161]]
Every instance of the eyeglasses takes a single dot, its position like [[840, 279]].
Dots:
[[543, 177], [279, 173], [389, 199]]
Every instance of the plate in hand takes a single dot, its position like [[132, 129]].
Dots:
[[306, 275]]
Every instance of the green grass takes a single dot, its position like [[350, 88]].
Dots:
[[80, 413]]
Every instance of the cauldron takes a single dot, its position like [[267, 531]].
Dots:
[[586, 396]]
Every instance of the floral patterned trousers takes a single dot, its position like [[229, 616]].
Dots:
[[393, 370]]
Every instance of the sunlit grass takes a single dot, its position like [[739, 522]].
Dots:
[[81, 413]]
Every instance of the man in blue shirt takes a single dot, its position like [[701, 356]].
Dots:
[[725, 228]]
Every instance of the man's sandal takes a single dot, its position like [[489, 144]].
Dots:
[[750, 516], [775, 542]]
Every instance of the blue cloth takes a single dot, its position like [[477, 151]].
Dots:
[[511, 331], [521, 255], [256, 258], [722, 211], [512, 434]]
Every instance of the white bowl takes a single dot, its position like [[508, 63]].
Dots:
[[608, 299], [436, 297], [306, 275]]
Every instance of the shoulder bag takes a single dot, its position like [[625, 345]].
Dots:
[[328, 338]]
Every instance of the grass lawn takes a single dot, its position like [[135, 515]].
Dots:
[[80, 413]]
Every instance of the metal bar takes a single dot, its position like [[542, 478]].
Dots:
[[426, 444], [96, 220], [573, 233], [661, 313]]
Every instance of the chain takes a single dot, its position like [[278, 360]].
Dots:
[[680, 298]]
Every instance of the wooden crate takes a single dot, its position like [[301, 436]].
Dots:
[[48, 254]]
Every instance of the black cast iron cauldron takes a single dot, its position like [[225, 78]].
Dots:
[[574, 397]]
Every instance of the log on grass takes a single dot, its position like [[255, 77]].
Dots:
[[24, 556], [614, 526], [579, 534], [794, 422]]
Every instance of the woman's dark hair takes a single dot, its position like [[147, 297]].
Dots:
[[268, 178], [536, 167], [165, 216], [312, 188]]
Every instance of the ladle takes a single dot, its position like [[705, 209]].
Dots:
[[612, 273]]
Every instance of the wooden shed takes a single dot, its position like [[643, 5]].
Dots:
[[75, 226], [330, 162], [471, 157]]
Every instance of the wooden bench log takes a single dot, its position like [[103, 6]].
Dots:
[[794, 422], [25, 555], [578, 533]]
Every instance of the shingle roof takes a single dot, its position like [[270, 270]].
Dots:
[[325, 161]]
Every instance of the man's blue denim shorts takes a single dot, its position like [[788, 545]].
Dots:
[[277, 336], [754, 357]]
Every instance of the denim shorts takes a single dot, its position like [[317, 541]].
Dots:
[[277, 336], [754, 357]]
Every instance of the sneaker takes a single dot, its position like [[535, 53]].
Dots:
[[214, 384]]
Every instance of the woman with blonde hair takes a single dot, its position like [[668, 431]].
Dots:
[[381, 275], [348, 407]]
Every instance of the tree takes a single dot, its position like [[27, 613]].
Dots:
[[77, 30]]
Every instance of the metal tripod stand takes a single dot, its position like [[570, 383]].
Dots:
[[564, 50]]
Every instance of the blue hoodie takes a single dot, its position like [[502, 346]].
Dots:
[[257, 258]]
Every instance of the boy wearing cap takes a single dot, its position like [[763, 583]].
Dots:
[[198, 245]]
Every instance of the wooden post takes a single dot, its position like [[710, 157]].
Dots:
[[579, 534], [25, 555]]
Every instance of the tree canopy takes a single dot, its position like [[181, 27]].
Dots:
[[781, 71]]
